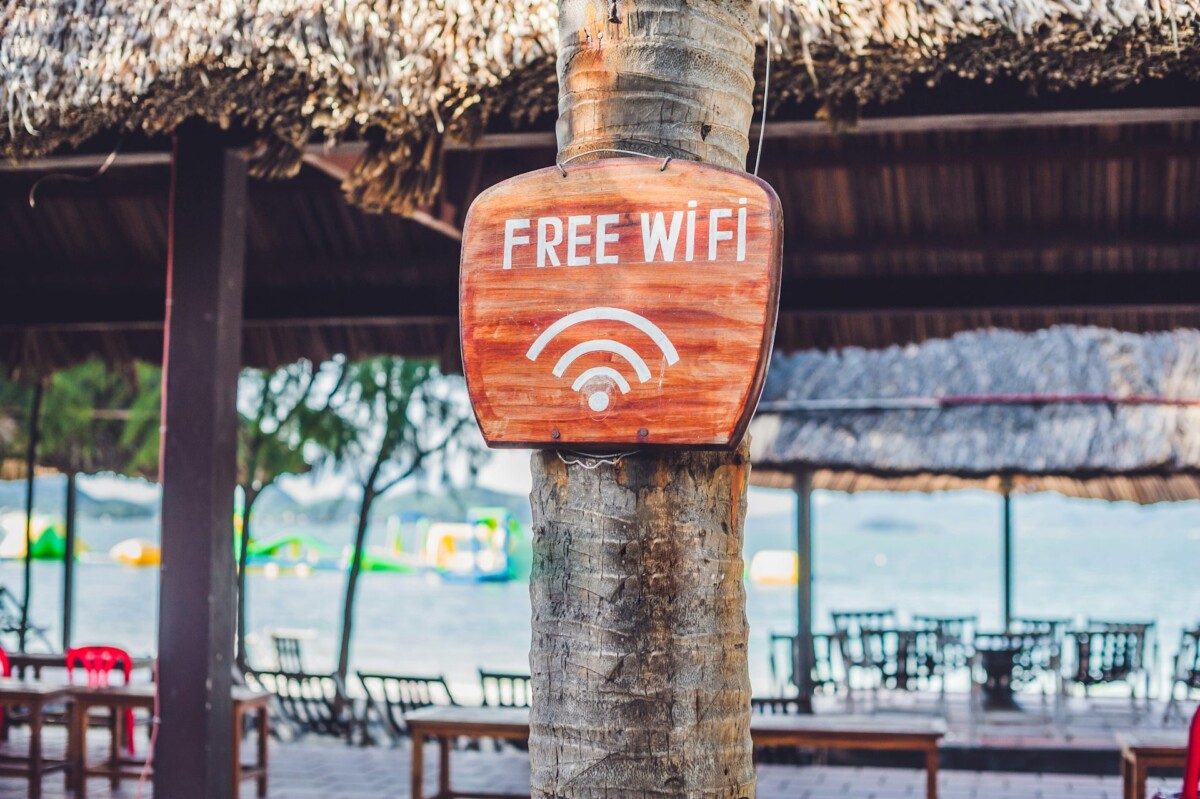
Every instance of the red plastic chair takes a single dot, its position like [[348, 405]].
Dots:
[[1191, 771], [5, 671], [98, 663]]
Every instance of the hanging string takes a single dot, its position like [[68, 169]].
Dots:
[[762, 125], [73, 178]]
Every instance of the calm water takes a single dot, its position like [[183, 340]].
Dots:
[[937, 554]]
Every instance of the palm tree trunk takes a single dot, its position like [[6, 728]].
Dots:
[[640, 678], [250, 495], [360, 540], [35, 428]]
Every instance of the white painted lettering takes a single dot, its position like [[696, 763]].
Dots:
[[741, 230], [715, 234], [655, 235], [546, 245], [575, 239], [511, 239], [604, 237]]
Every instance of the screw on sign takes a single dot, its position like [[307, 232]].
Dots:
[[620, 303]]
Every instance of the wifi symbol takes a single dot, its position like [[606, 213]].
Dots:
[[598, 399]]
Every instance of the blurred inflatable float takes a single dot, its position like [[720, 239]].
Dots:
[[48, 540]]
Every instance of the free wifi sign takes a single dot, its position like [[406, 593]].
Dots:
[[620, 305]]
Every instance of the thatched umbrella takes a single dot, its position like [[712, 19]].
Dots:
[[1082, 411], [424, 73]]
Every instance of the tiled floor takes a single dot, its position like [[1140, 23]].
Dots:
[[316, 769], [329, 770]]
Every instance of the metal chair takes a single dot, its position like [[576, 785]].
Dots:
[[390, 696], [308, 704], [1105, 653], [1029, 625], [1186, 672], [852, 621], [505, 689], [849, 624], [955, 635], [783, 659], [904, 660], [288, 654]]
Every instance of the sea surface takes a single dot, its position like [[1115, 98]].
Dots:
[[920, 554]]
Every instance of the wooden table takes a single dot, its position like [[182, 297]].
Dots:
[[445, 723], [142, 696], [886, 733], [894, 733], [33, 697], [256, 703], [1142, 751]]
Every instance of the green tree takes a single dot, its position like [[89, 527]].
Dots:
[[400, 419], [92, 420], [284, 426]]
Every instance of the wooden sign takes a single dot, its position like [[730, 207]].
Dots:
[[622, 305]]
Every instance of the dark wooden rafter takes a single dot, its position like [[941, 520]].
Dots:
[[1173, 292]]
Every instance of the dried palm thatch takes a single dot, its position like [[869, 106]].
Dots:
[[408, 74], [946, 414]]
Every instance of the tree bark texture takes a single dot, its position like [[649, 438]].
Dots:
[[640, 678], [661, 77], [641, 683]]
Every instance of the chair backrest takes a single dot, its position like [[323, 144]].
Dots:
[[98, 663], [505, 689], [311, 703], [952, 628], [1187, 661], [955, 635], [288, 654], [1028, 625], [783, 658], [5, 664], [853, 621], [1110, 651], [395, 694], [880, 648]]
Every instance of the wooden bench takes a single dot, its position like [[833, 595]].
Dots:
[[891, 733], [1142, 751]]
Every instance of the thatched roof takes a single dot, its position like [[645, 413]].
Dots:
[[418, 72], [1079, 410]]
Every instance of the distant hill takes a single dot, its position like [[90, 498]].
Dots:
[[449, 507], [50, 499]]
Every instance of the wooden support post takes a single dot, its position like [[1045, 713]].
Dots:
[[802, 653], [203, 353], [68, 588], [1008, 553]]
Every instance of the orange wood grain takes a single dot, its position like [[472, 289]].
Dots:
[[719, 314]]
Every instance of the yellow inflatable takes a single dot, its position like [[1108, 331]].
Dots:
[[136, 552]]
